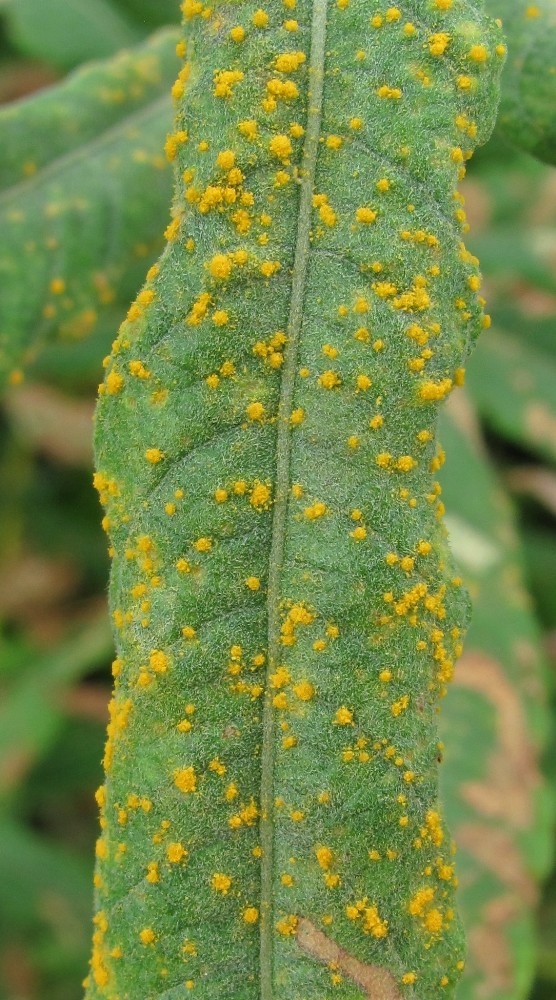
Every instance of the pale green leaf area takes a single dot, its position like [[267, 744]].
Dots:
[[84, 192], [495, 725], [287, 613], [528, 106]]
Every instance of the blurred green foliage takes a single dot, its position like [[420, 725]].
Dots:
[[499, 485]]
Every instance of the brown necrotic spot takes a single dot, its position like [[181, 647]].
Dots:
[[376, 982]]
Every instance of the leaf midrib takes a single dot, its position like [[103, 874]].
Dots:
[[282, 484]]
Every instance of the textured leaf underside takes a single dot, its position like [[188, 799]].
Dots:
[[286, 612]]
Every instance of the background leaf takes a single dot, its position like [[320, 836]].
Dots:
[[43, 899], [94, 200], [67, 32], [496, 725], [33, 703], [528, 106], [514, 387], [148, 13], [61, 120]]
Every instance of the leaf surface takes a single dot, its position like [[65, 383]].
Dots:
[[84, 187], [286, 611]]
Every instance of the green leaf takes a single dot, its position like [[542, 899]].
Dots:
[[514, 388], [527, 109], [68, 32], [85, 185], [514, 237], [73, 365], [495, 725], [286, 611]]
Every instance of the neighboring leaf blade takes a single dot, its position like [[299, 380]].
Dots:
[[496, 724], [77, 231], [226, 477], [528, 104], [38, 131]]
